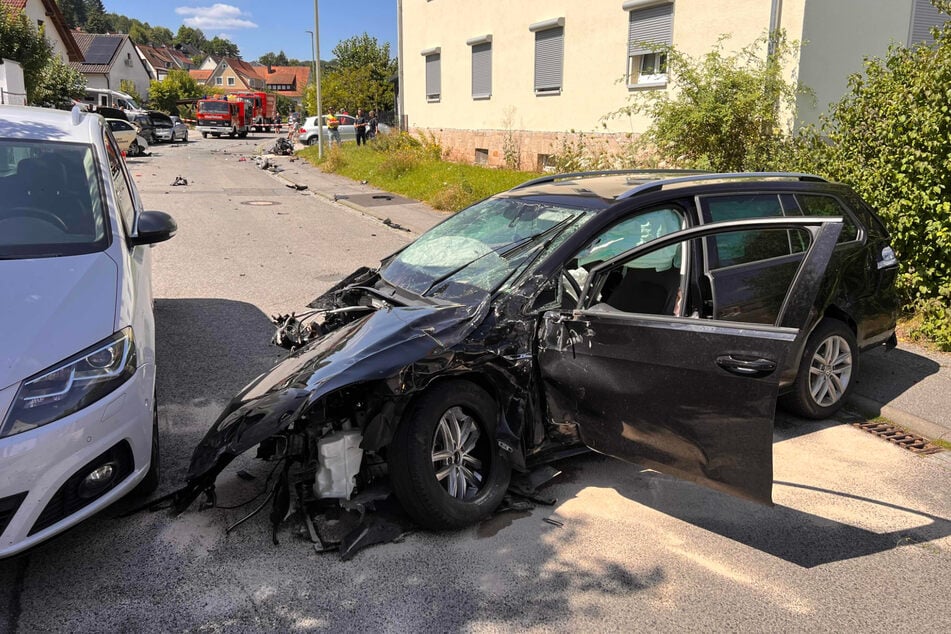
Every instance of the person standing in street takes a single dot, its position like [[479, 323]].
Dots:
[[360, 126]]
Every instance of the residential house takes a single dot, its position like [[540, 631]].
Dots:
[[233, 74], [108, 60], [491, 76], [159, 60], [47, 17], [289, 81]]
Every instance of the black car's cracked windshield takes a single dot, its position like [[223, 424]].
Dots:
[[477, 249]]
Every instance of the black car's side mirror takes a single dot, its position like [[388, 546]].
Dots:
[[153, 226]]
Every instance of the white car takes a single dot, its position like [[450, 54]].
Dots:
[[307, 134], [78, 425], [127, 136]]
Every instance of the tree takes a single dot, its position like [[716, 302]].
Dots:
[[890, 139], [729, 112], [350, 88], [96, 20], [21, 42], [74, 11], [272, 59], [220, 47], [188, 35], [128, 87], [162, 36], [358, 77], [58, 84], [177, 85]]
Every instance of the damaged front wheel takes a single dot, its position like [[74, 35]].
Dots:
[[444, 465]]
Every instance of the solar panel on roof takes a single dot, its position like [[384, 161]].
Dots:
[[101, 50]]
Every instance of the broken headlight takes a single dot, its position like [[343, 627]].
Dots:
[[73, 384]]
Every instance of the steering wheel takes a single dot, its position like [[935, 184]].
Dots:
[[39, 214]]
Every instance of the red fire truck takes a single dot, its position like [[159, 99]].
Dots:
[[263, 108], [223, 116]]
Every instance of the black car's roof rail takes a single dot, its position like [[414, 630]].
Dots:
[[660, 184], [551, 178]]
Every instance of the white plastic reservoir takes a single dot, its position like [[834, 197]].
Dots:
[[340, 456]]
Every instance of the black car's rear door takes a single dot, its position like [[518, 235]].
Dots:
[[692, 397]]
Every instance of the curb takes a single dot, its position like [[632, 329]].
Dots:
[[910, 422]]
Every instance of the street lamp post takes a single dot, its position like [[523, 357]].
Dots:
[[320, 119], [315, 44]]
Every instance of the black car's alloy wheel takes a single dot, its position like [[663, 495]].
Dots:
[[444, 464], [826, 373]]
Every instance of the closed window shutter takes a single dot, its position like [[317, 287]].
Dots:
[[926, 16], [549, 58], [482, 70], [654, 25], [433, 83]]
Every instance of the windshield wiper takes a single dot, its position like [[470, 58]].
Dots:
[[509, 251]]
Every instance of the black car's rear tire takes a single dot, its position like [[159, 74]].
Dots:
[[444, 476], [827, 371]]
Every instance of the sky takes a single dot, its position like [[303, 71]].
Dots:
[[262, 26]]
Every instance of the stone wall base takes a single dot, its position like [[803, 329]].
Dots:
[[528, 150]]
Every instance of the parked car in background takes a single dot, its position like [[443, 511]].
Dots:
[[179, 129], [145, 125], [308, 131], [78, 424], [652, 316], [127, 136], [164, 126]]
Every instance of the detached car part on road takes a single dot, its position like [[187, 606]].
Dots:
[[78, 425], [652, 316]]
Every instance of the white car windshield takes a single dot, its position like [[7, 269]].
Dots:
[[478, 248], [52, 202]]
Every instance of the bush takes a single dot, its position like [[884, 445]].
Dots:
[[393, 141], [890, 139], [399, 162], [729, 112], [453, 197], [334, 160]]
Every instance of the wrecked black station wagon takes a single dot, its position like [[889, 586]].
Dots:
[[651, 316]]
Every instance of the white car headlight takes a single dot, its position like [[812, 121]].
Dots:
[[72, 384]]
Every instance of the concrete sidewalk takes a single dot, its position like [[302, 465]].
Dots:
[[909, 385]]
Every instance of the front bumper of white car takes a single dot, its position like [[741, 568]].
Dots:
[[42, 471]]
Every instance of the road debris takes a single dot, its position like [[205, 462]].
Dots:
[[393, 225], [179, 181]]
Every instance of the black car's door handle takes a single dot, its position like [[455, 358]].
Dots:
[[751, 367]]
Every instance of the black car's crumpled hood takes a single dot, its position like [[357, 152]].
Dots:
[[371, 348]]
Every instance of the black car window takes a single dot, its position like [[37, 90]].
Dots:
[[752, 294], [742, 247], [818, 205], [624, 236]]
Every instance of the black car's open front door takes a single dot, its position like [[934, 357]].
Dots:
[[687, 392]]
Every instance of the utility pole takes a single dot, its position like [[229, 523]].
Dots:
[[320, 108]]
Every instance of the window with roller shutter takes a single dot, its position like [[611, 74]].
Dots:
[[549, 55]]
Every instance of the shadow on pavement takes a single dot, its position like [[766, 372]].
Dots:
[[884, 375], [798, 537]]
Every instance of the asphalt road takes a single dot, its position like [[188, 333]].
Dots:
[[859, 538]]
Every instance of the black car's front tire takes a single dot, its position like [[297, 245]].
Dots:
[[444, 464], [151, 480], [827, 371]]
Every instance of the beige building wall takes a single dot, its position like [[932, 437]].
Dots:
[[837, 36]]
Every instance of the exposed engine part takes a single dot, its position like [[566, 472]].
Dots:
[[340, 457]]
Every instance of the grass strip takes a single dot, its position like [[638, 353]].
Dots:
[[410, 172]]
